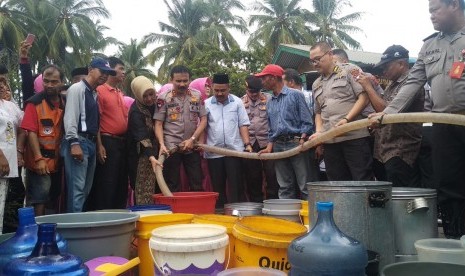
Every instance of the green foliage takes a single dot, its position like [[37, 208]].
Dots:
[[236, 63], [329, 24], [135, 63]]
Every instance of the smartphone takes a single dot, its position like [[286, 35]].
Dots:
[[30, 38]]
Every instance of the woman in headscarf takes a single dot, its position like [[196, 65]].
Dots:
[[203, 85], [143, 146]]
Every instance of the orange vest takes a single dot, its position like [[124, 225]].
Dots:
[[49, 135]]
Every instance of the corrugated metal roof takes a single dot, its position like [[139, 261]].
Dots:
[[302, 51]]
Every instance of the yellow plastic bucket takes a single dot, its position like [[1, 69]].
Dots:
[[226, 221], [144, 227], [263, 242]]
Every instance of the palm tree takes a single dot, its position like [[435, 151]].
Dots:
[[11, 27], [135, 63], [332, 28], [220, 19], [74, 28], [279, 21], [180, 40]]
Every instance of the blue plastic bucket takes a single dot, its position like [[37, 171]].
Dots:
[[148, 210]]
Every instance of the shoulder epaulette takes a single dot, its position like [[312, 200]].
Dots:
[[431, 36]]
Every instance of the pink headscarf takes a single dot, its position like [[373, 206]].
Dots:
[[38, 84], [128, 101], [165, 88], [199, 84]]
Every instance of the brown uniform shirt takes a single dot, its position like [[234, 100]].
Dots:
[[402, 140], [334, 98], [180, 115], [258, 128]]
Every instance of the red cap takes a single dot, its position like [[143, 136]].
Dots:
[[271, 69]]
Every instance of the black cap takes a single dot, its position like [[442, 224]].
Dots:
[[393, 52], [220, 79], [79, 71], [253, 83]]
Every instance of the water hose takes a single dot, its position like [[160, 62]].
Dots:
[[420, 117]]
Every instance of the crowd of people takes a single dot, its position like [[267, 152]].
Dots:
[[95, 141]]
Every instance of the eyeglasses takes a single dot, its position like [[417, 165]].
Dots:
[[318, 59]]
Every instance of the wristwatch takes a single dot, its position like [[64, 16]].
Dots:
[[193, 138], [247, 144]]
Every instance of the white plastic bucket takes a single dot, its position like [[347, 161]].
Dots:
[[189, 249], [440, 251]]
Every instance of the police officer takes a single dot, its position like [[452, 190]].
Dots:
[[255, 105], [441, 64], [339, 99], [179, 120]]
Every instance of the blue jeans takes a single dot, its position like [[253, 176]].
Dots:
[[292, 173], [79, 175]]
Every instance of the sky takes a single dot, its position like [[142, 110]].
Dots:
[[384, 22]]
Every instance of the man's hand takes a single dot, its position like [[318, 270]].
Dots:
[[249, 148], [4, 166], [376, 119], [342, 122], [364, 81], [187, 145], [24, 49], [268, 149], [163, 150], [102, 154], [41, 167], [76, 152]]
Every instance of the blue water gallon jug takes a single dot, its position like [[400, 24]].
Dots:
[[46, 258], [25, 238], [325, 250]]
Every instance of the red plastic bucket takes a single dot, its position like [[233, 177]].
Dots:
[[189, 202]]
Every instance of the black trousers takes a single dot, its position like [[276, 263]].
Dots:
[[425, 159], [191, 162], [449, 172], [254, 171], [110, 187], [402, 174], [349, 160], [226, 169]]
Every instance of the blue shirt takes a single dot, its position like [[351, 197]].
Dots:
[[288, 114], [224, 120]]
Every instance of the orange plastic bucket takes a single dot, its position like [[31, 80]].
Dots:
[[144, 227]]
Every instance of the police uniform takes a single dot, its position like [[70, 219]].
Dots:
[[348, 156], [180, 117], [436, 64], [258, 134]]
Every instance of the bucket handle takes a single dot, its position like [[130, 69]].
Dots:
[[229, 255], [417, 204], [158, 267]]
